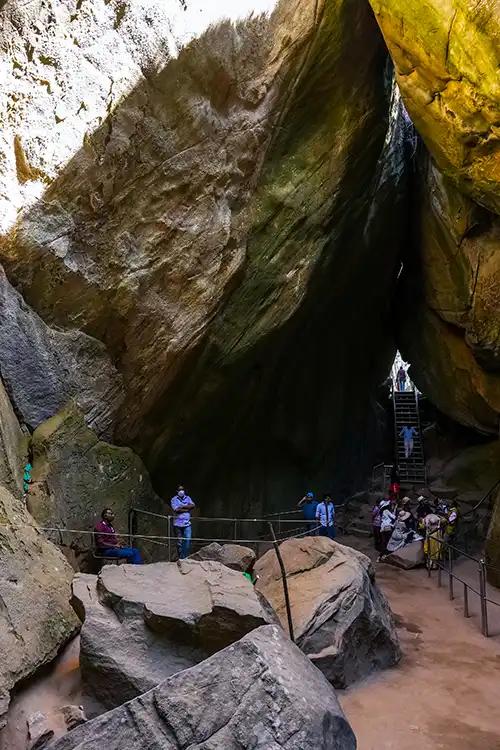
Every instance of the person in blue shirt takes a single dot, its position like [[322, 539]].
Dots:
[[408, 433], [182, 505], [325, 515], [309, 505]]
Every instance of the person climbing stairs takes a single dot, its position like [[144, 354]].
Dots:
[[406, 415]]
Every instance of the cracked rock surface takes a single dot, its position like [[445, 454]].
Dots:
[[260, 692], [144, 623], [341, 619]]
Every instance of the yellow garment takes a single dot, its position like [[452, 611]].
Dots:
[[433, 546], [452, 521]]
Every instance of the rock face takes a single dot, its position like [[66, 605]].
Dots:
[[233, 556], [446, 57], [451, 327], [76, 475], [13, 447], [35, 617], [144, 623], [493, 543], [259, 692], [43, 368], [205, 212], [341, 619]]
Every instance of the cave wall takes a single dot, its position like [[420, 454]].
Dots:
[[447, 58], [213, 211]]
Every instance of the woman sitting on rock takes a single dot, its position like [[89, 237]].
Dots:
[[403, 531]]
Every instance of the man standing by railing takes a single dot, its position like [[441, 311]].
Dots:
[[182, 505], [325, 514]]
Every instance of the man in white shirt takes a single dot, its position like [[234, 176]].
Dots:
[[325, 515]]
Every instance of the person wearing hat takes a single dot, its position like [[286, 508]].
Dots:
[[409, 517], [309, 505], [423, 508], [402, 530]]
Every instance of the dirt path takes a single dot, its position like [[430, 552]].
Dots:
[[445, 694], [58, 686]]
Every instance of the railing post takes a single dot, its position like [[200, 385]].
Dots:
[[439, 575], [450, 572], [169, 534], [132, 526], [235, 530], [466, 600], [484, 603], [279, 525], [285, 582]]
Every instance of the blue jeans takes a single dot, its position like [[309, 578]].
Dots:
[[183, 534], [328, 531], [130, 554]]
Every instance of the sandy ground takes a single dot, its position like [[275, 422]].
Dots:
[[58, 686], [445, 694]]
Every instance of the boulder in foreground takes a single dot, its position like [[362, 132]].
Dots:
[[342, 621], [144, 623], [261, 692]]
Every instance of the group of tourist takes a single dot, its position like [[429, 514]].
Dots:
[[319, 515], [108, 544], [395, 524]]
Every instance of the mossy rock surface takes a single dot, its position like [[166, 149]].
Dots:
[[447, 59]]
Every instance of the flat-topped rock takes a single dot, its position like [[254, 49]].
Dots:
[[143, 623], [260, 692], [341, 619], [234, 556]]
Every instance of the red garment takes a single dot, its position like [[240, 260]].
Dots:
[[105, 535], [394, 489]]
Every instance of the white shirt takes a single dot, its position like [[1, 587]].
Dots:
[[325, 513], [388, 520]]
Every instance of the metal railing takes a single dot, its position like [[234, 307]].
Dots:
[[483, 499], [226, 529], [447, 553]]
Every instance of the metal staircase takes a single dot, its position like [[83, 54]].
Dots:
[[406, 412]]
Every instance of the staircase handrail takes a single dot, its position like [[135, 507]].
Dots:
[[482, 500]]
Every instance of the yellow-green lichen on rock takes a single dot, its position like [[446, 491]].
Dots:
[[447, 56], [450, 316], [76, 475]]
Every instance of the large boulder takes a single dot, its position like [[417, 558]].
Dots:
[[189, 207], [234, 556], [261, 692], [144, 623], [341, 620], [446, 58], [75, 475], [407, 557], [36, 618]]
